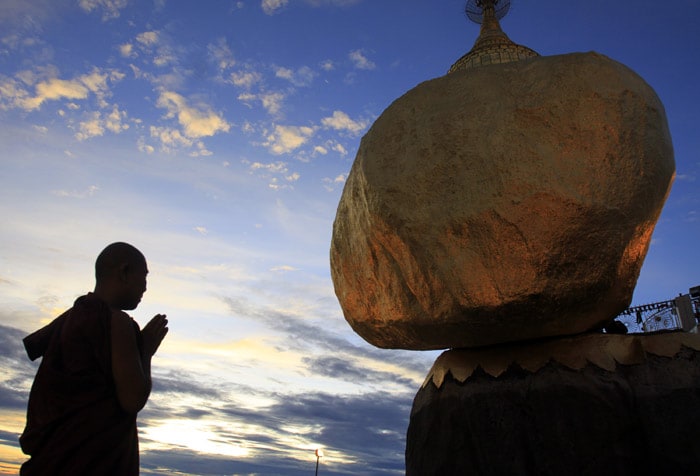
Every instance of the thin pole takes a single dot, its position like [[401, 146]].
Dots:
[[317, 458]]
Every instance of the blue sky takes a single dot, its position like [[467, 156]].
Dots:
[[216, 137]]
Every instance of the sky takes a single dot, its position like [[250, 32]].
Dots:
[[216, 137]]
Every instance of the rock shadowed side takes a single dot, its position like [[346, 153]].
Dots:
[[638, 420]]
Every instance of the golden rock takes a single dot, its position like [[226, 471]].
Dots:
[[502, 203]]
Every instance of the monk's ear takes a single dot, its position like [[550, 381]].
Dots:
[[123, 272]]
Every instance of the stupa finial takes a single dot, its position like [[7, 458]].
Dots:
[[492, 46]]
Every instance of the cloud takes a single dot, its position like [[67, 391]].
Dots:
[[16, 95], [23, 15], [360, 433], [89, 192], [60, 88], [328, 146], [153, 44], [91, 128], [285, 139], [114, 120], [277, 173], [221, 53], [271, 7], [142, 146], [327, 65], [148, 38], [246, 98], [339, 3], [200, 150], [340, 121], [245, 79], [331, 184], [303, 76], [283, 268], [340, 149], [196, 122], [170, 138], [302, 335], [267, 431], [110, 8], [360, 60], [272, 102], [364, 432], [17, 370], [126, 50], [97, 123], [341, 368], [247, 127]]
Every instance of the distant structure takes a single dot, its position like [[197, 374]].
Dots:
[[680, 313], [492, 46]]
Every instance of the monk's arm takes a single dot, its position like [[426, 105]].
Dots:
[[130, 368]]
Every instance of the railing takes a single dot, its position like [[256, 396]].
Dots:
[[682, 312]]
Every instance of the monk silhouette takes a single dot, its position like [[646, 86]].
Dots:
[[94, 377]]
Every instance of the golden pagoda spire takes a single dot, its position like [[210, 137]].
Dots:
[[492, 46]]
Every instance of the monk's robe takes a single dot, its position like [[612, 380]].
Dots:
[[75, 425]]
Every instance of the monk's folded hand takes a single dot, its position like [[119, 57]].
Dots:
[[153, 333]]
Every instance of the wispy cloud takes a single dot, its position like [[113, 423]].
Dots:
[[110, 8], [277, 173], [331, 184], [228, 426], [283, 269], [340, 121], [18, 370], [271, 7], [302, 334], [96, 124], [196, 121], [286, 139], [148, 38], [156, 47], [16, 93], [360, 61], [221, 54], [89, 192], [302, 76], [245, 79], [339, 3], [169, 138], [272, 102], [126, 50]]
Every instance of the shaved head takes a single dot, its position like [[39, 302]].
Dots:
[[116, 256]]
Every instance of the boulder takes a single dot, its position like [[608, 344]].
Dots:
[[502, 203]]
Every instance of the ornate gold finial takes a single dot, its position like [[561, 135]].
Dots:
[[492, 46]]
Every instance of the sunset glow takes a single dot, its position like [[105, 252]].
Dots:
[[217, 137]]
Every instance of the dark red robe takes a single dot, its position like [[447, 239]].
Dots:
[[75, 425]]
